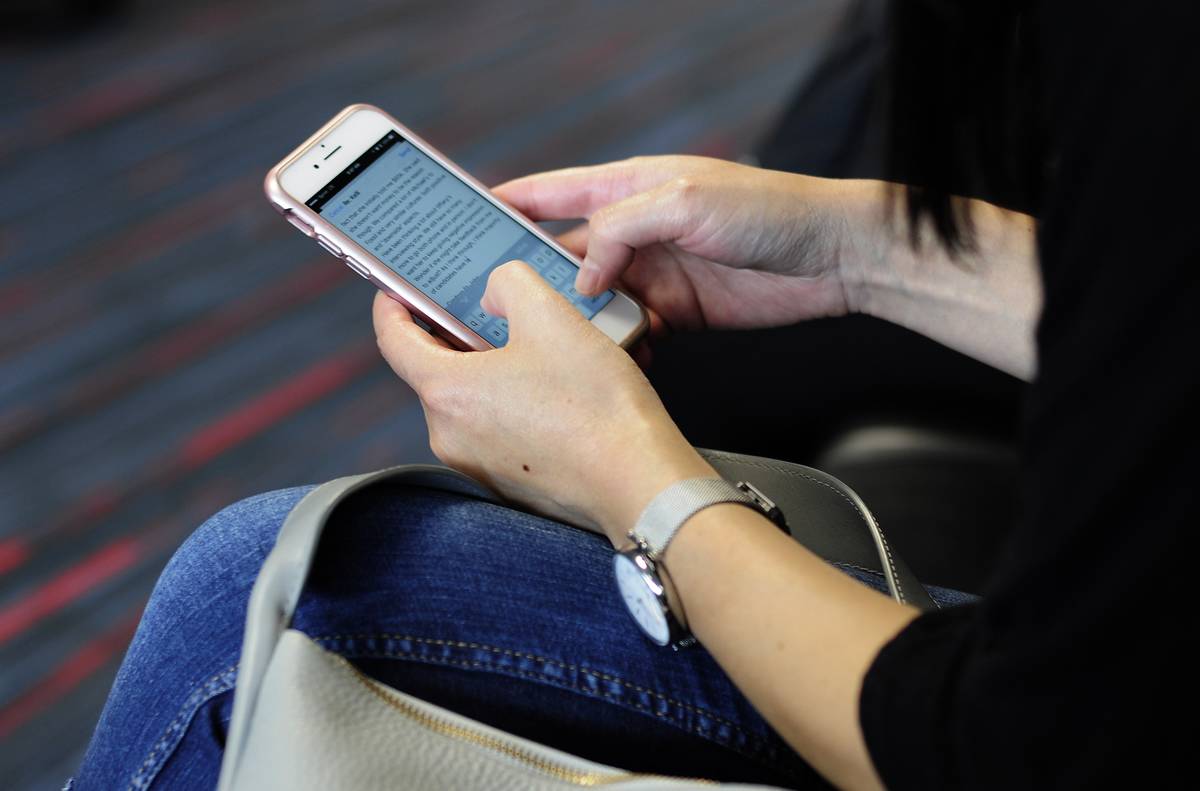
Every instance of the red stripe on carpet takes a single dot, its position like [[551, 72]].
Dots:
[[274, 405], [225, 433], [315, 279], [13, 297], [161, 356], [161, 231], [121, 95], [68, 586], [13, 552]]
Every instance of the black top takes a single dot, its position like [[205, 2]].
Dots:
[[1072, 670]]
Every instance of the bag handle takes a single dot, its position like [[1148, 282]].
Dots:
[[277, 590], [824, 514], [827, 517]]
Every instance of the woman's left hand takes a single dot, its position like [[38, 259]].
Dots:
[[559, 420]]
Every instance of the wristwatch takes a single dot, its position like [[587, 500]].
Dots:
[[642, 580]]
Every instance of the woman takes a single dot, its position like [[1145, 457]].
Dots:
[[1058, 676]]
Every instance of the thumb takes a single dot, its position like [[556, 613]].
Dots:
[[516, 292], [414, 354]]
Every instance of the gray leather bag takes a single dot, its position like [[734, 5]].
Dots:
[[304, 718]]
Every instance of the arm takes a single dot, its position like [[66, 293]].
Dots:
[[984, 302], [706, 243], [531, 420], [795, 635], [803, 674]]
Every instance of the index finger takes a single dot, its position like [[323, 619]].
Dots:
[[577, 192]]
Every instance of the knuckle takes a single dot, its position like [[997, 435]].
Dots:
[[386, 335], [638, 162], [685, 189], [436, 397], [601, 223], [510, 271], [391, 345], [387, 350], [496, 279], [442, 398], [678, 163], [519, 270]]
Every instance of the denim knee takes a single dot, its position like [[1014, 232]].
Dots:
[[222, 557], [198, 606], [185, 651]]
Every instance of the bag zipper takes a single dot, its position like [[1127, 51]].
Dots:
[[558, 771]]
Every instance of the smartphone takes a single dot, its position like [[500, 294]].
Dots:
[[403, 216]]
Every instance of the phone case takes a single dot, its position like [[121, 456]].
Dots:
[[309, 222]]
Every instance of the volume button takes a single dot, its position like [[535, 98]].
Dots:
[[300, 224], [329, 246], [359, 269]]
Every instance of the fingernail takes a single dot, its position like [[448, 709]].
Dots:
[[586, 281]]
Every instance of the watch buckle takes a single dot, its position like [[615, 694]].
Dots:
[[764, 504]]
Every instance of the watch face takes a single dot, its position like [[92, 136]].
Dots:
[[641, 600]]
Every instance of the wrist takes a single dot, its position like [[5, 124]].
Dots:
[[647, 469], [865, 247]]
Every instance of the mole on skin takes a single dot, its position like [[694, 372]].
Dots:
[[525, 467]]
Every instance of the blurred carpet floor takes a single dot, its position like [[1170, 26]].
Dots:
[[168, 344]]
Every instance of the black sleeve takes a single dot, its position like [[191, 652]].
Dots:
[[1071, 670]]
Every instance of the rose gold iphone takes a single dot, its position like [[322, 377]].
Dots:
[[405, 217]]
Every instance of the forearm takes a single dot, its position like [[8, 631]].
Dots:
[[794, 634], [983, 302]]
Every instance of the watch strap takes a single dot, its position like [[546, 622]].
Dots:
[[680, 501]]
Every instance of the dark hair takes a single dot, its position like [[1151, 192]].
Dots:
[[961, 111]]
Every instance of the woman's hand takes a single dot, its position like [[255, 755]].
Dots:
[[701, 242], [707, 243], [560, 419]]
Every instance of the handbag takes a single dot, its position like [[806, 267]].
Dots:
[[306, 719]]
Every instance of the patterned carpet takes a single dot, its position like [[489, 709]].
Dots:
[[168, 344]]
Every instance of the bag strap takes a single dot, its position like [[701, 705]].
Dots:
[[823, 513], [277, 590], [827, 517]]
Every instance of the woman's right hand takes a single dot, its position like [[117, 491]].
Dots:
[[701, 242]]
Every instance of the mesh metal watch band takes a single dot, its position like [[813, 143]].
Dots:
[[680, 501]]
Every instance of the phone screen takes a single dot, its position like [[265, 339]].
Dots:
[[437, 232]]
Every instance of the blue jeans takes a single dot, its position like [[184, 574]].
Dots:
[[505, 617]]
